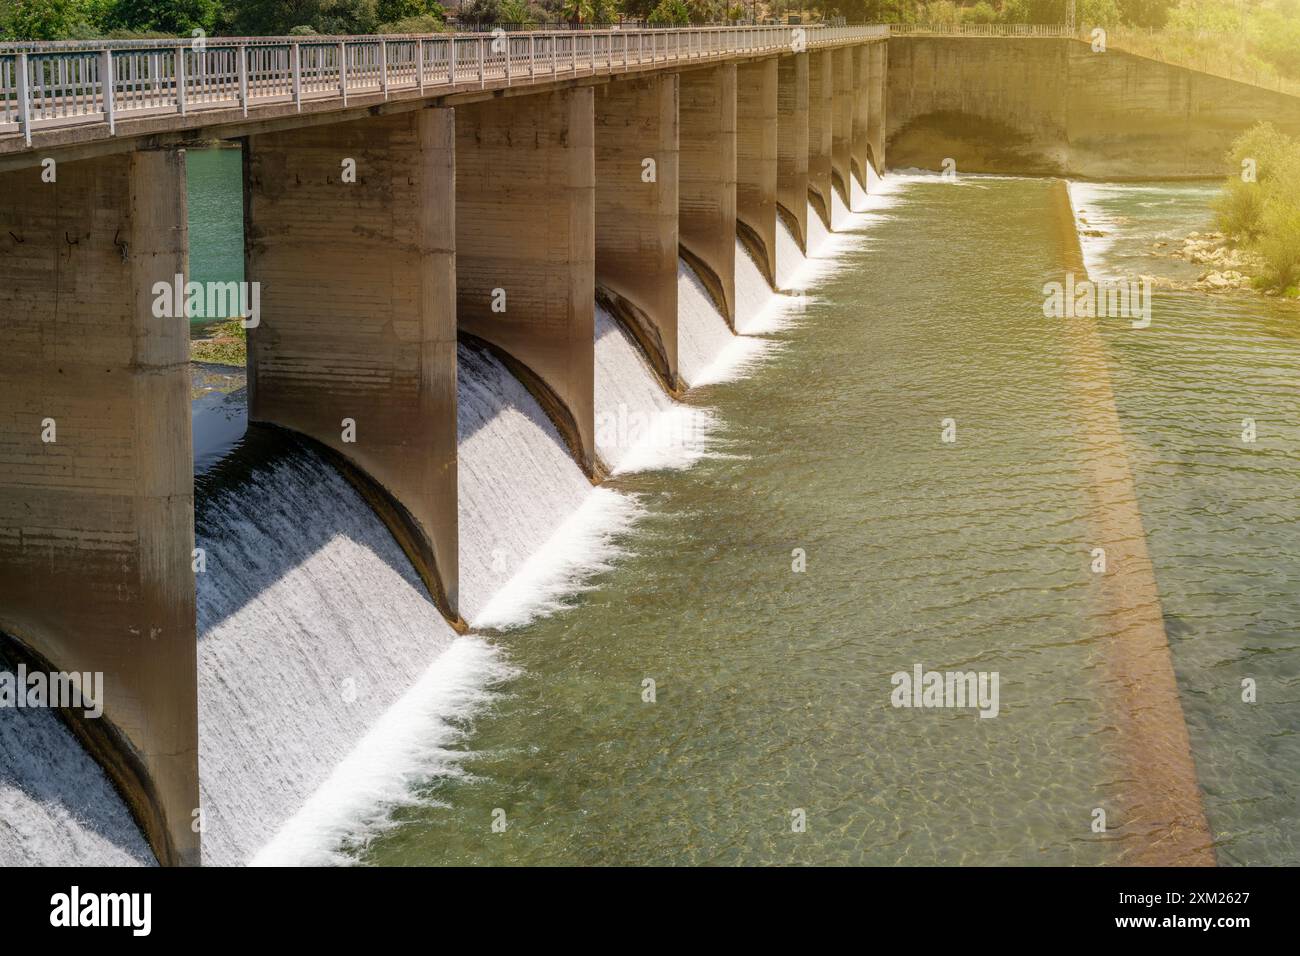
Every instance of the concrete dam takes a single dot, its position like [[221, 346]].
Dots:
[[421, 216]]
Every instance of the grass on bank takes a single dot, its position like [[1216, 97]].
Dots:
[[222, 343], [1259, 207]]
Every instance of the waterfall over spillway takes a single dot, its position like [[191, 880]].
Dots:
[[312, 626], [638, 426], [841, 217], [57, 808], [789, 258], [707, 350], [531, 524], [818, 234]]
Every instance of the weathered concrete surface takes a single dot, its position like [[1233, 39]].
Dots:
[[526, 225], [707, 185], [756, 161], [792, 144], [358, 286], [860, 142], [636, 212], [1053, 106], [821, 112], [878, 105], [97, 525], [842, 122]]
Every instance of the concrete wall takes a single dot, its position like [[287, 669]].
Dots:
[[97, 526], [756, 161], [636, 212], [792, 144], [358, 322], [707, 186], [860, 141], [1056, 107], [842, 122], [821, 123], [526, 224], [877, 108]]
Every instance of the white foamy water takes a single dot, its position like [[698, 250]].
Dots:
[[312, 625], [532, 527], [759, 310], [1091, 217], [409, 745], [707, 351], [841, 216], [638, 426], [330, 688], [57, 808], [789, 257]]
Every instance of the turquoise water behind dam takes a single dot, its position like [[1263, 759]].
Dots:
[[772, 686]]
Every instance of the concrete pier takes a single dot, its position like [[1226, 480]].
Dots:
[[351, 234], [636, 213], [526, 250], [707, 184], [860, 141], [756, 162], [792, 144], [821, 122], [842, 123], [96, 467], [876, 119]]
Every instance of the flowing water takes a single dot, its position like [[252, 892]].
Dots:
[[688, 663], [1222, 514], [772, 685]]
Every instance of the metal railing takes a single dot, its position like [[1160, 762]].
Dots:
[[1222, 55], [983, 29], [49, 85]]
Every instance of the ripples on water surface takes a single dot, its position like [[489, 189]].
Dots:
[[1222, 516], [773, 687]]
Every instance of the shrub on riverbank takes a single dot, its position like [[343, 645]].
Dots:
[[223, 343], [1259, 208]]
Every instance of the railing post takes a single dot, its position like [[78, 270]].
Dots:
[[297, 77], [243, 78], [507, 39], [343, 71], [482, 78], [451, 61], [24, 100], [383, 67], [555, 54], [532, 56], [106, 83], [419, 63], [180, 79]]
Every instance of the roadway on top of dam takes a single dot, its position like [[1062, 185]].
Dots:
[[52, 100]]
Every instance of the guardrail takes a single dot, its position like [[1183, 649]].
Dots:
[[56, 84], [983, 29]]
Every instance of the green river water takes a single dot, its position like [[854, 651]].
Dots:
[[772, 685]]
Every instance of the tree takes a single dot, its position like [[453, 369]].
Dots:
[[670, 13], [175, 17], [49, 19]]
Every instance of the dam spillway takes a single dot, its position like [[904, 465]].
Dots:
[[446, 325]]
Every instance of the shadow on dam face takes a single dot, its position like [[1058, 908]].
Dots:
[[978, 144]]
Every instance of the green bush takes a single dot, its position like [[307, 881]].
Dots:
[[1264, 215], [670, 13]]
